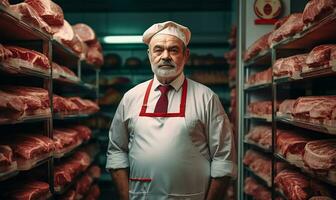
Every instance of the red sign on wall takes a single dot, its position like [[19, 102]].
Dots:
[[267, 11]]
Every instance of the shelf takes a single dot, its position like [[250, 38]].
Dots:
[[257, 86], [11, 172], [306, 171], [308, 125], [24, 71], [257, 147], [17, 29], [35, 162], [78, 83], [27, 119], [313, 73], [262, 59], [314, 34], [266, 118], [60, 116], [259, 179]]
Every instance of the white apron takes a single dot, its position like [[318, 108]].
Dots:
[[164, 163]]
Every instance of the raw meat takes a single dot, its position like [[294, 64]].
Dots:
[[94, 57], [94, 171], [320, 154], [294, 185], [31, 190], [258, 46], [320, 198], [62, 105], [65, 138], [64, 71], [333, 55], [253, 188], [83, 185], [259, 164], [4, 53], [289, 65], [290, 27], [85, 106], [286, 107], [261, 108], [232, 73], [260, 77], [84, 132], [39, 95], [320, 55], [93, 193], [12, 106], [22, 57], [49, 11], [83, 158], [28, 147], [65, 35], [65, 173], [316, 10], [231, 57], [30, 16], [4, 3], [280, 22], [291, 145], [261, 135], [317, 107], [85, 32], [6, 159]]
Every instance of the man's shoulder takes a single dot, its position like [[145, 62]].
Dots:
[[200, 89]]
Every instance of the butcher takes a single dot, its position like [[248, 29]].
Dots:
[[170, 137]]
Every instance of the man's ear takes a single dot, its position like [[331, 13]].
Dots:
[[187, 54], [147, 51]]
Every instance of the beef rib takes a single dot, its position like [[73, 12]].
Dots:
[[316, 10], [289, 66], [85, 32], [49, 11], [258, 46], [320, 154], [4, 53], [320, 56]]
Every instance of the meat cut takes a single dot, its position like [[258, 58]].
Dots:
[[59, 70], [12, 106], [6, 159], [28, 14], [261, 135], [84, 105], [320, 56], [257, 191], [320, 154], [28, 149], [4, 53], [94, 56], [260, 77], [315, 107], [261, 108], [4, 3], [316, 10], [293, 184], [84, 132], [258, 46], [297, 186], [291, 26], [259, 164], [231, 57], [65, 140], [84, 32], [22, 57], [65, 34], [286, 107], [83, 158], [64, 106], [49, 11], [28, 190], [291, 145], [289, 66]]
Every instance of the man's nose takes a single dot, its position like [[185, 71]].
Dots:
[[165, 55]]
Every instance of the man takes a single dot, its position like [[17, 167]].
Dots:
[[170, 137]]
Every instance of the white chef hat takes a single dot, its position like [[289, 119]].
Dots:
[[170, 28]]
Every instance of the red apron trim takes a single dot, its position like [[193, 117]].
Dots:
[[182, 105], [141, 179]]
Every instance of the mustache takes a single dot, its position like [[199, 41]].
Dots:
[[167, 63]]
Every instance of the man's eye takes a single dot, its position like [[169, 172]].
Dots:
[[157, 50]]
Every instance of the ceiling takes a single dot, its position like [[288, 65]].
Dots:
[[144, 5]]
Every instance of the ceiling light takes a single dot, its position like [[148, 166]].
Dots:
[[123, 39]]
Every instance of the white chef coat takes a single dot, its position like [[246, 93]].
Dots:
[[208, 127]]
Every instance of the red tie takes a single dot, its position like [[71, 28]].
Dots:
[[162, 104]]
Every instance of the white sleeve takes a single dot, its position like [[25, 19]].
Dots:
[[221, 141], [117, 151]]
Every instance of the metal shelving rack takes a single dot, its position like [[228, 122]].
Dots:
[[322, 32], [14, 31]]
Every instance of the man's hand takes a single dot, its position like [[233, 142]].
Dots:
[[120, 178], [218, 188]]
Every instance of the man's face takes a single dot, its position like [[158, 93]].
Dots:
[[167, 56]]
